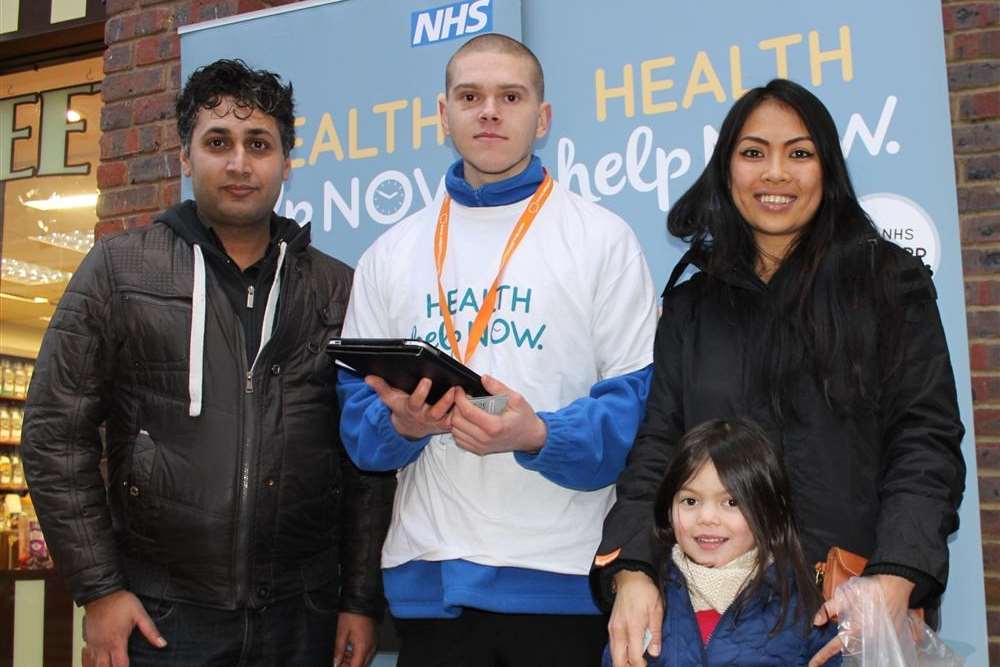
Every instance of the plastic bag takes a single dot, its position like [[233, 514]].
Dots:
[[873, 639]]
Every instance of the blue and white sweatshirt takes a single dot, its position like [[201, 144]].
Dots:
[[572, 331]]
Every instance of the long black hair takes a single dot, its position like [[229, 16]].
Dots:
[[824, 281], [753, 475]]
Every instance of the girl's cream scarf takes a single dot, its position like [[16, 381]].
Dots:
[[715, 587]]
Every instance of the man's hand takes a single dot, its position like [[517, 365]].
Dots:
[[517, 428], [896, 594], [107, 624], [638, 607], [411, 416], [356, 639]]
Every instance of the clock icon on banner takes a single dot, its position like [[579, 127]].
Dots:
[[389, 197]]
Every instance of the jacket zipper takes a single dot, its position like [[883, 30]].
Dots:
[[246, 497], [722, 617], [240, 537], [250, 297]]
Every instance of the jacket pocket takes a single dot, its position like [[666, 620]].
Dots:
[[158, 609], [330, 319], [323, 601], [164, 300], [156, 333], [321, 583], [136, 489]]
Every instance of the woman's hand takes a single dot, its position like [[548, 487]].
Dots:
[[897, 594], [638, 607], [896, 597]]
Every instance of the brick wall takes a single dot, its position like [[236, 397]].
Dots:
[[139, 176], [972, 40]]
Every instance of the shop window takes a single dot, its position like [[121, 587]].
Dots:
[[50, 128]]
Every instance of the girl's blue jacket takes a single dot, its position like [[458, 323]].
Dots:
[[747, 643]]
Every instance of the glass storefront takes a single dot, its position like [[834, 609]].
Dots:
[[50, 129], [50, 126]]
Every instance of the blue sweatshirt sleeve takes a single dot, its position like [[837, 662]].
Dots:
[[589, 439], [366, 428]]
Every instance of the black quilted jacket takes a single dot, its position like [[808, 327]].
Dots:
[[251, 501]]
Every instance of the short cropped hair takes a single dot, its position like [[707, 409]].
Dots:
[[496, 43], [249, 89]]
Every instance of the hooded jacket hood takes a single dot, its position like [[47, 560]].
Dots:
[[736, 277], [183, 219], [698, 259]]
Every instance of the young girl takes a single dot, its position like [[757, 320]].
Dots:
[[736, 589]]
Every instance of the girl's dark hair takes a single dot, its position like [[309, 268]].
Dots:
[[822, 283], [751, 472], [250, 89]]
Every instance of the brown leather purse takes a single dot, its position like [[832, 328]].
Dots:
[[840, 566]]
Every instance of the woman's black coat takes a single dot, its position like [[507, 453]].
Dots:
[[885, 484]]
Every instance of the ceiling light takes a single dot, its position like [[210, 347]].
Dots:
[[25, 273], [24, 299], [73, 116], [77, 240], [57, 203]]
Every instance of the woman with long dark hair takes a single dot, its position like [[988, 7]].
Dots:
[[803, 318]]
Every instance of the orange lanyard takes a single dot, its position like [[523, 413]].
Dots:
[[486, 309]]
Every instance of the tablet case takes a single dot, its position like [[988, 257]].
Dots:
[[402, 362]]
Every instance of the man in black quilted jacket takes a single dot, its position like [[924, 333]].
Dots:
[[231, 527]]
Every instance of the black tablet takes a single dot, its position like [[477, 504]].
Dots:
[[402, 362]]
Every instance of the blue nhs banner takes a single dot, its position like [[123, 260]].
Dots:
[[634, 123], [461, 19]]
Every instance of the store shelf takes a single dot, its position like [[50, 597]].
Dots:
[[10, 488], [13, 399]]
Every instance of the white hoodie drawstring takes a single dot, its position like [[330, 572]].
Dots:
[[270, 310], [197, 346]]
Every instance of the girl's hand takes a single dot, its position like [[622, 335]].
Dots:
[[826, 614], [638, 607]]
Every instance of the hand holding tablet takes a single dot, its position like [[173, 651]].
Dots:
[[402, 363]]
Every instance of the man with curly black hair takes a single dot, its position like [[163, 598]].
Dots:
[[231, 527]]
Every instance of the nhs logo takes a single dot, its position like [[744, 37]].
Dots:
[[450, 21]]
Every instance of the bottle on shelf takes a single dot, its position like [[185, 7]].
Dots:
[[20, 381], [5, 431], [6, 471], [29, 370], [6, 378], [33, 553], [16, 421], [17, 472]]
